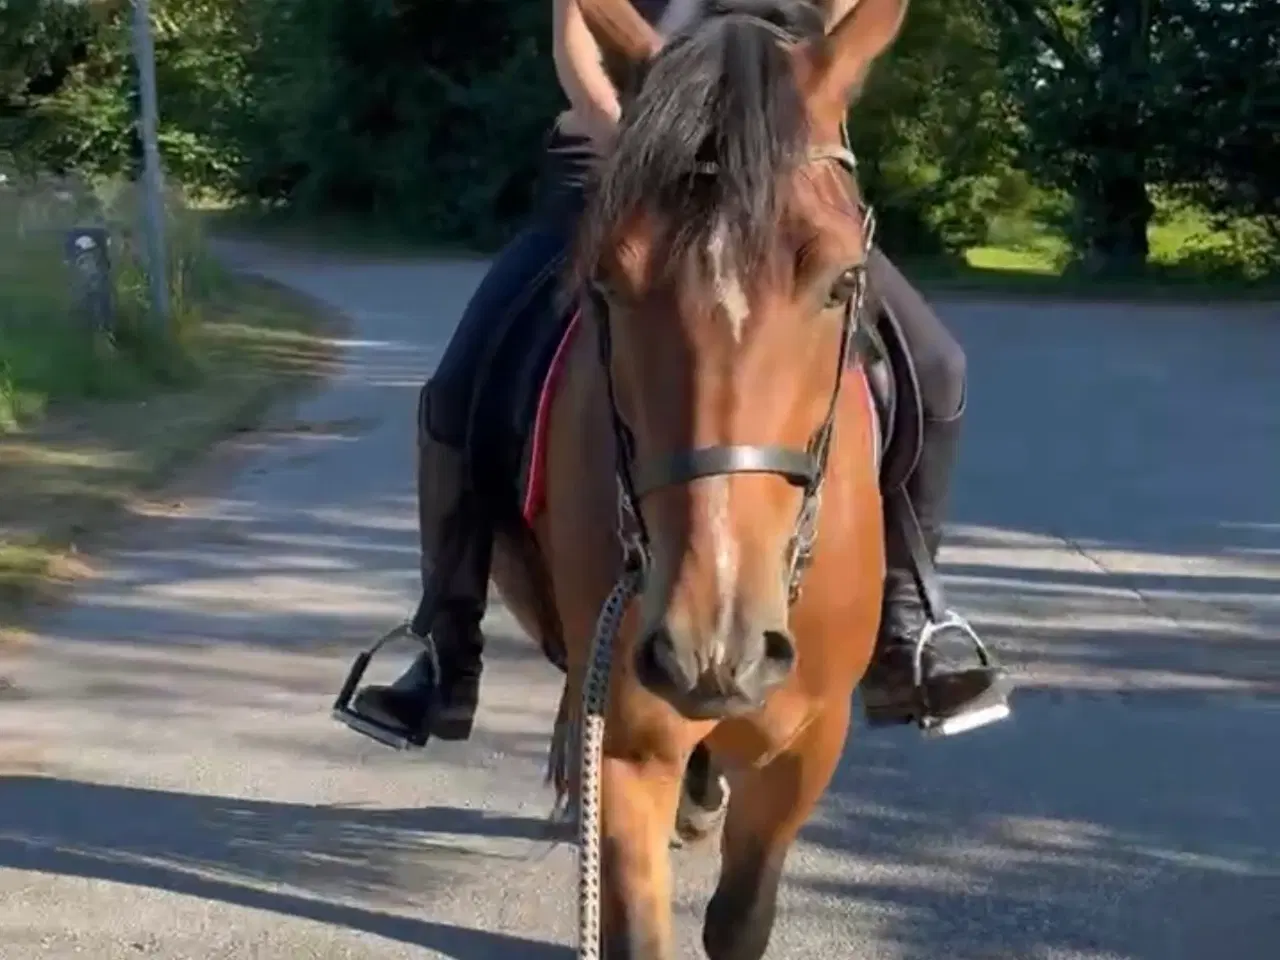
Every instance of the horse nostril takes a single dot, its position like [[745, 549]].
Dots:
[[658, 663], [779, 650]]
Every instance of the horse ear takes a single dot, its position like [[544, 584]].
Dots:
[[619, 26], [839, 63]]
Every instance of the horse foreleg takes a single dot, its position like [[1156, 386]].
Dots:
[[638, 806], [703, 799], [768, 807]]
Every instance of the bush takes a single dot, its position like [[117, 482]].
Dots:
[[429, 117], [49, 349]]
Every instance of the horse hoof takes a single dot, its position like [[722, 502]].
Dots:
[[695, 824]]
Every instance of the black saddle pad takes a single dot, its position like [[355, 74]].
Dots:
[[505, 402]]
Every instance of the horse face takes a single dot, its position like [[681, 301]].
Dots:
[[720, 353], [724, 252]]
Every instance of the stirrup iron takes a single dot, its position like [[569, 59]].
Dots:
[[418, 628], [345, 713], [991, 707]]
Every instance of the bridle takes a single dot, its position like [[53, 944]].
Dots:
[[803, 468]]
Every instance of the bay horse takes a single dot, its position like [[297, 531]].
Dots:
[[710, 411]]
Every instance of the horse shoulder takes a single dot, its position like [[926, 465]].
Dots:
[[578, 530]]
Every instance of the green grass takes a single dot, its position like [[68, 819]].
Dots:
[[87, 420], [49, 350], [1191, 258], [1009, 260]]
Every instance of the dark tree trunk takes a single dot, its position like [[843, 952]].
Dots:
[[1114, 209]]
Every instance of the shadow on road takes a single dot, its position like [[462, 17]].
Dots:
[[1102, 615], [293, 859], [1063, 836], [1122, 617]]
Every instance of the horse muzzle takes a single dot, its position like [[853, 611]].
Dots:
[[714, 679]]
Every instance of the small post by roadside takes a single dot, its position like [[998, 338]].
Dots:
[[152, 177]]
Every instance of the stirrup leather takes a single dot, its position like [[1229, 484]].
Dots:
[[992, 705]]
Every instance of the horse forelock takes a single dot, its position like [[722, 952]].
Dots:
[[708, 142]]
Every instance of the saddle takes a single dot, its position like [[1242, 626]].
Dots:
[[507, 432], [517, 378]]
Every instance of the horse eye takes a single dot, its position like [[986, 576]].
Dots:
[[844, 288]]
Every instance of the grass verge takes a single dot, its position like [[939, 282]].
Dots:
[[1192, 258], [1002, 272], [90, 419]]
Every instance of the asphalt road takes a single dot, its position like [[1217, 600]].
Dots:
[[171, 785]]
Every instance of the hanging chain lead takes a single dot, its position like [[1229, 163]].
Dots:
[[595, 696]]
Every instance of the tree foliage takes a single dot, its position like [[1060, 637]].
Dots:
[[73, 106], [414, 112], [1218, 106], [430, 113], [934, 130], [1119, 96]]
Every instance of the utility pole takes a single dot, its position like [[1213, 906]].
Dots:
[[152, 178]]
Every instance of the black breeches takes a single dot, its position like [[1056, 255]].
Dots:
[[528, 261], [939, 359]]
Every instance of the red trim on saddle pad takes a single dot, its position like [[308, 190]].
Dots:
[[535, 492]]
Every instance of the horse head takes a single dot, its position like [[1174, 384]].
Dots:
[[724, 248]]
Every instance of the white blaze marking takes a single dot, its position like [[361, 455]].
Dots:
[[726, 564], [733, 299]]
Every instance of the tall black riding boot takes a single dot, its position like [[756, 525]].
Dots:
[[414, 705], [948, 700]]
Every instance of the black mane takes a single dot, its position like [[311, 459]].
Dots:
[[712, 131]]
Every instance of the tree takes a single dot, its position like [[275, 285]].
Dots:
[[1081, 69], [430, 115], [1219, 106], [934, 130], [68, 87], [41, 42], [1121, 95]]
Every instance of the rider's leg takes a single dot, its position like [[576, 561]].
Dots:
[[446, 513], [889, 688]]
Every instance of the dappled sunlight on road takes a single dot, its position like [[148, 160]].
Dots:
[[1059, 865], [1118, 617]]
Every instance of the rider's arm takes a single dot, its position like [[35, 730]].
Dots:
[[580, 68]]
